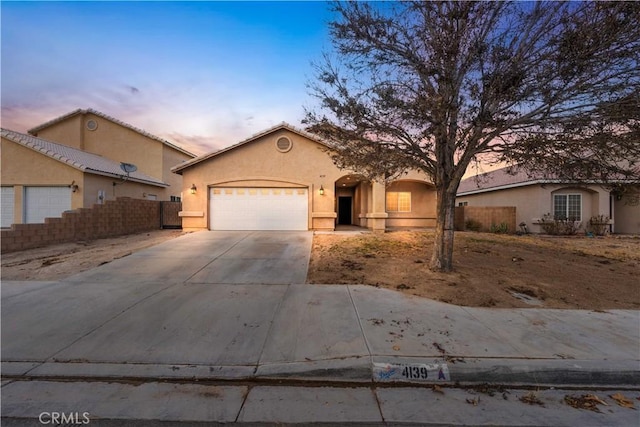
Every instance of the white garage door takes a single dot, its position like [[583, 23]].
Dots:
[[258, 209], [6, 206], [45, 202]]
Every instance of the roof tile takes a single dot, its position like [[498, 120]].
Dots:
[[496, 179], [79, 159]]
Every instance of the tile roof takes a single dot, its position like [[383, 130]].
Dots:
[[79, 159], [499, 179], [513, 176], [112, 119], [253, 137]]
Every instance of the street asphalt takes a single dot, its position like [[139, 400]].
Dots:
[[223, 319]]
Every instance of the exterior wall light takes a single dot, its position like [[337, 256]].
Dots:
[[193, 189], [321, 190]]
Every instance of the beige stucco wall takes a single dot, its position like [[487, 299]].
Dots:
[[95, 183], [627, 215], [259, 163], [121, 144], [533, 201], [68, 132], [171, 158], [360, 202], [423, 205], [23, 167]]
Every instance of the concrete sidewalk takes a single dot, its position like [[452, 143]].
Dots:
[[196, 331], [118, 404]]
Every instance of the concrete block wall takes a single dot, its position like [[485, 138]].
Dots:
[[486, 216], [115, 218]]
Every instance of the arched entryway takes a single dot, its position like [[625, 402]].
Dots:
[[351, 196]]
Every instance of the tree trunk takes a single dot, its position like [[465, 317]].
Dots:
[[442, 259]]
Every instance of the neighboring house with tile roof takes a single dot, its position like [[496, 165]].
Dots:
[[284, 178], [95, 132], [41, 178], [534, 196]]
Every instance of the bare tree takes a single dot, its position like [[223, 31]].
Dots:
[[435, 86]]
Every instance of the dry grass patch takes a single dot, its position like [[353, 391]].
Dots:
[[490, 270]]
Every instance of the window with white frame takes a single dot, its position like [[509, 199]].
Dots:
[[398, 201], [567, 207]]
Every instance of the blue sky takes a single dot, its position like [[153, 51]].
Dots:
[[202, 74]]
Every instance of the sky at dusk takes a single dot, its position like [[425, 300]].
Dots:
[[204, 75]]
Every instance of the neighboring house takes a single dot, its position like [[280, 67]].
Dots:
[[284, 179], [74, 162], [94, 132], [534, 197], [42, 179]]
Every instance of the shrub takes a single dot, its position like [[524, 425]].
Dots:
[[559, 226], [502, 228], [598, 225]]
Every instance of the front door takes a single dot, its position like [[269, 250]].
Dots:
[[344, 210]]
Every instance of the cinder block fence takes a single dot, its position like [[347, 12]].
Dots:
[[114, 218]]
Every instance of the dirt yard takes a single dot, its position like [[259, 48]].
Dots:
[[57, 262], [491, 270]]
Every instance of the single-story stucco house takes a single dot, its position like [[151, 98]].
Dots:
[[284, 179], [534, 197]]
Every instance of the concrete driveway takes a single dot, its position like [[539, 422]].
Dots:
[[214, 257]]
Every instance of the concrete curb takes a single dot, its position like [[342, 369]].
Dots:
[[550, 372], [520, 372]]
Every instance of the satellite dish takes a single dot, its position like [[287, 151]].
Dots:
[[128, 167]]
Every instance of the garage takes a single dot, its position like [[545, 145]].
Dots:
[[258, 208], [45, 202], [7, 201]]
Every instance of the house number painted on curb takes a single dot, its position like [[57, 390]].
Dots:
[[411, 371]]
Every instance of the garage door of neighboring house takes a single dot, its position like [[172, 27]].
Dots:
[[7, 206], [45, 202], [258, 208]]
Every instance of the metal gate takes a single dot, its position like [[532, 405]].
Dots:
[[169, 217]]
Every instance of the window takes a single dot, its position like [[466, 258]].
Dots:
[[398, 201], [567, 207]]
